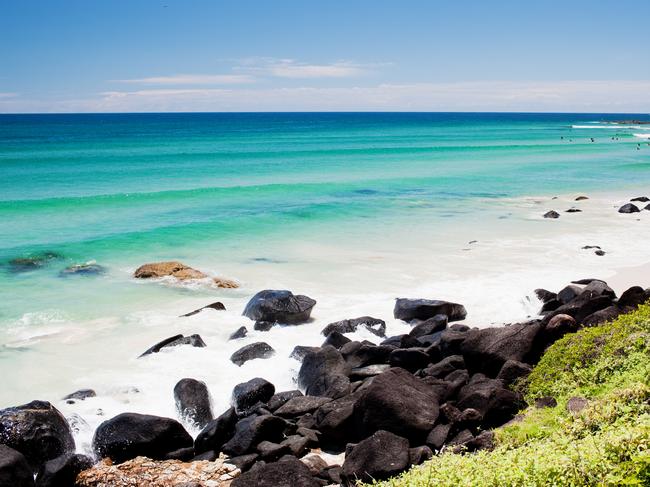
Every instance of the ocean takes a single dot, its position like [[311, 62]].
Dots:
[[352, 209]]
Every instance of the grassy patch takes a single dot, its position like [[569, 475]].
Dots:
[[606, 444]]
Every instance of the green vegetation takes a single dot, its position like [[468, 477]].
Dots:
[[605, 444]]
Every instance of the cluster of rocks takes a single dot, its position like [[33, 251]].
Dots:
[[375, 408], [179, 271], [626, 208], [44, 259]]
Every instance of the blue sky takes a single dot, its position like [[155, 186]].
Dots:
[[244, 55]]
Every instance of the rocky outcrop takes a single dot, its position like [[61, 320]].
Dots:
[[287, 472], [373, 325], [37, 430], [130, 435], [179, 271], [62, 471], [142, 471], [279, 306]]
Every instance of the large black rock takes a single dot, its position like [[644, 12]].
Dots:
[[487, 349], [14, 469], [256, 391], [324, 373], [216, 433], [193, 401], [37, 430], [335, 420], [252, 430], [279, 306], [301, 405], [62, 471], [374, 325], [129, 435], [378, 457], [423, 309], [398, 402], [629, 208], [491, 399], [286, 472], [252, 351]]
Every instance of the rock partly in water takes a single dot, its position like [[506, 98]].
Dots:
[[142, 471], [629, 208], [241, 332], [130, 435], [193, 401], [87, 269], [193, 340], [373, 325], [179, 271], [37, 430], [423, 309], [33, 262], [15, 471], [216, 306], [324, 373], [247, 395], [552, 214], [279, 306], [80, 395], [257, 350]]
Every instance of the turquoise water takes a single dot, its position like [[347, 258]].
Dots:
[[125, 189]]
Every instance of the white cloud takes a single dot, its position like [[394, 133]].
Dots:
[[192, 79], [290, 68], [547, 96]]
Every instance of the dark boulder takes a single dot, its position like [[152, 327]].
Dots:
[[241, 332], [324, 373], [401, 341], [301, 405], [513, 370], [582, 306], [252, 351], [398, 402], [62, 471], [451, 341], [551, 305], [551, 214], [374, 325], [423, 309], [633, 297], [216, 306], [183, 454], [244, 462], [545, 402], [216, 432], [545, 296], [80, 395], [193, 340], [298, 445], [129, 435], [252, 430], [569, 293], [411, 359], [286, 472], [419, 455], [270, 451], [445, 367], [335, 420], [428, 327], [279, 306], [487, 349], [608, 314], [37, 430], [557, 327], [15, 471], [193, 401], [629, 208], [281, 398], [264, 325], [378, 457], [247, 395], [641, 199], [438, 437], [336, 339], [300, 351], [491, 399]]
